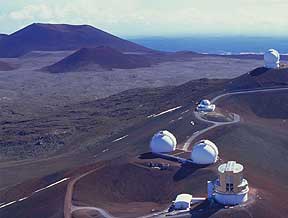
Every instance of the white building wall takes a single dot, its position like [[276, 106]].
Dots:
[[210, 189], [182, 205], [231, 199]]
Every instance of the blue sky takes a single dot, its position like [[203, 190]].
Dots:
[[153, 17]]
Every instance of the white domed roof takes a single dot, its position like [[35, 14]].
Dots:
[[272, 58], [163, 142], [205, 102], [204, 152]]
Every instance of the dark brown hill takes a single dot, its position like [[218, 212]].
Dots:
[[260, 78], [6, 66], [55, 37], [2, 36], [105, 57]]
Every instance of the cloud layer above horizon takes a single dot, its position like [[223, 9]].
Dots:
[[153, 17]]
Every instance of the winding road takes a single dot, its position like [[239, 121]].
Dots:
[[99, 210], [69, 208], [236, 119]]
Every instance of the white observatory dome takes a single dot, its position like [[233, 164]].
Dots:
[[204, 152], [205, 102], [272, 58], [205, 106], [163, 142]]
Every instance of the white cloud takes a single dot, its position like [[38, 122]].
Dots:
[[156, 17], [30, 12]]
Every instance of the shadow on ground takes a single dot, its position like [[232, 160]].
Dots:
[[186, 170], [205, 209]]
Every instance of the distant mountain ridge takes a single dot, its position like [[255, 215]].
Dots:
[[56, 37], [2, 36], [103, 56]]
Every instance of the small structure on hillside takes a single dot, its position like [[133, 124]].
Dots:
[[272, 59], [182, 202], [204, 152], [205, 106], [230, 188], [163, 142], [160, 166]]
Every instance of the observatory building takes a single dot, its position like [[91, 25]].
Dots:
[[205, 106], [163, 142], [204, 152], [182, 202], [230, 188], [272, 59]]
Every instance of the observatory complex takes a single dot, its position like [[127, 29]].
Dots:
[[204, 152], [205, 106], [230, 188], [163, 142], [272, 59]]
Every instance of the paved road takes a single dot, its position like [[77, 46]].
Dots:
[[101, 211], [217, 124], [186, 146], [7, 204], [108, 215], [247, 92], [68, 205]]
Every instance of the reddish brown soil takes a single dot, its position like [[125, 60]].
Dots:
[[256, 142], [129, 189], [259, 142], [48, 203], [86, 214]]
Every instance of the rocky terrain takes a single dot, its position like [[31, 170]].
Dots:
[[73, 126], [44, 114], [80, 137], [258, 142]]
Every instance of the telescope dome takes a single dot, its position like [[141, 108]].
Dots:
[[163, 142], [204, 152], [272, 58]]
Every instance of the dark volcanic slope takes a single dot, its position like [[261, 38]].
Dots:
[[260, 143], [132, 189], [2, 36], [5, 66], [55, 37], [103, 56], [49, 131], [125, 186], [259, 78]]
